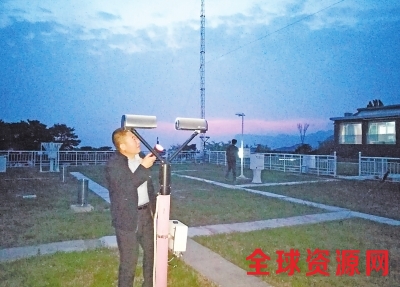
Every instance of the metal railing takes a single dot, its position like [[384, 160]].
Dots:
[[186, 157], [21, 158], [32, 158], [216, 157], [219, 158], [75, 158], [298, 163], [378, 166]]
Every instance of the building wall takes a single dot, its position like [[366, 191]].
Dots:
[[379, 150]]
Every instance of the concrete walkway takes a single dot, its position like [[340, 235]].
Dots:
[[11, 254], [266, 224], [94, 186]]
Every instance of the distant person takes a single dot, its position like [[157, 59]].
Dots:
[[231, 154], [133, 204]]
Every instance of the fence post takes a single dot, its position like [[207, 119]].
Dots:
[[284, 162], [301, 163], [225, 159], [270, 161], [359, 163]]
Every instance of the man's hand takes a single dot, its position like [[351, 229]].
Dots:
[[148, 160]]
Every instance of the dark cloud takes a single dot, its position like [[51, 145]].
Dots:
[[45, 10], [108, 17]]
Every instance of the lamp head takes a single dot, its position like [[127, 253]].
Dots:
[[191, 124], [138, 122]]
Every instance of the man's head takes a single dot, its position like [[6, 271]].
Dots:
[[234, 141], [126, 142]]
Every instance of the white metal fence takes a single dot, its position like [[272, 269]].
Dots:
[[298, 163], [378, 166], [32, 158], [187, 157], [315, 164]]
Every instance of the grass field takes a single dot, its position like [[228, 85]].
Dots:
[[351, 234], [48, 218], [96, 268], [196, 203], [370, 197]]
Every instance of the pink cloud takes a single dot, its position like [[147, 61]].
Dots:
[[256, 126]]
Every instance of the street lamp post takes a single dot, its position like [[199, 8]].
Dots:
[[204, 139], [241, 146]]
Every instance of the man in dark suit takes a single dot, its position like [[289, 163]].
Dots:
[[231, 154], [133, 202]]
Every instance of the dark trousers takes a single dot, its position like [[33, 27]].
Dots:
[[128, 246], [231, 167]]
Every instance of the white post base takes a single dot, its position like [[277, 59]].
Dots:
[[256, 176]]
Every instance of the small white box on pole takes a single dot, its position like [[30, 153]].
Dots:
[[177, 236]]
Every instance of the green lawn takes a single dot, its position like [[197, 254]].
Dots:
[[368, 196], [197, 203], [217, 173], [351, 234], [48, 217], [96, 268]]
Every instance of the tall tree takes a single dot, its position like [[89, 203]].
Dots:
[[5, 135], [327, 146], [302, 129], [216, 146], [65, 135], [303, 149], [27, 135], [262, 148]]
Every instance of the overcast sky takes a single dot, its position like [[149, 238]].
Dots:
[[281, 62]]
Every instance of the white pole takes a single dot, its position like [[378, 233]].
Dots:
[[241, 146]]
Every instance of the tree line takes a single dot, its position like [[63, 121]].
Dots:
[[28, 135]]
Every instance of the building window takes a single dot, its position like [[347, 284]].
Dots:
[[381, 133], [350, 133]]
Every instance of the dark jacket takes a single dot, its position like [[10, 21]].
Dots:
[[122, 186], [231, 153]]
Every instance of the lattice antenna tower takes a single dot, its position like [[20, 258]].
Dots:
[[202, 60]]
